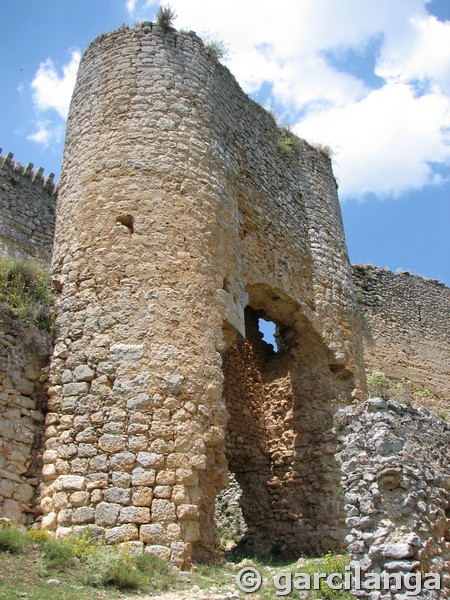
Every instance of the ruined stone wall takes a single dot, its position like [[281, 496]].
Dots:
[[395, 463], [280, 446], [406, 329], [27, 210], [27, 219], [178, 209], [24, 352]]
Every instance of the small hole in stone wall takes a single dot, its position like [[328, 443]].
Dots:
[[227, 285], [268, 329], [127, 221]]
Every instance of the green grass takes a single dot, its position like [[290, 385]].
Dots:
[[13, 539], [24, 290], [87, 570], [285, 141]]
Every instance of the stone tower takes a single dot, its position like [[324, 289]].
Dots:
[[181, 222]]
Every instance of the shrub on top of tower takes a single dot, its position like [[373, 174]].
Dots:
[[165, 16]]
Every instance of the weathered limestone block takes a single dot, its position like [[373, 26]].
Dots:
[[24, 353], [163, 510], [134, 514], [107, 514], [122, 533]]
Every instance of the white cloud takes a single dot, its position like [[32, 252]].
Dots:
[[131, 6], [424, 55], [50, 91], [386, 143], [47, 133], [386, 139]]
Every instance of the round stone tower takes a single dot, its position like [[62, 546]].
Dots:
[[182, 221]]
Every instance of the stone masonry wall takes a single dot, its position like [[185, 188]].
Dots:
[[27, 210], [24, 352], [177, 210], [279, 444], [27, 220], [406, 329], [395, 465]]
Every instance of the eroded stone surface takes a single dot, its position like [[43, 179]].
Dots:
[[406, 332], [24, 352], [397, 503]]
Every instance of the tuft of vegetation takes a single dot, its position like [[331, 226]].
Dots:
[[216, 49], [285, 141], [324, 149], [379, 385], [64, 552], [124, 570], [330, 563], [13, 538], [340, 421], [165, 16], [406, 392], [25, 291]]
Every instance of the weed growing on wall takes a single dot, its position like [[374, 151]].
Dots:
[[216, 49], [285, 141], [405, 391], [165, 16], [24, 290], [324, 149]]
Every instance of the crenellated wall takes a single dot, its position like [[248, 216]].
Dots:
[[27, 221], [27, 210]]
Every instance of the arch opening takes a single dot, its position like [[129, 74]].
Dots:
[[279, 441]]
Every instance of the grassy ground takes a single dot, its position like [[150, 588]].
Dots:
[[29, 561]]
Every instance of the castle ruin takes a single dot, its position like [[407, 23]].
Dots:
[[181, 222]]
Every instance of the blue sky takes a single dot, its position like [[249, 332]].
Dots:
[[369, 78]]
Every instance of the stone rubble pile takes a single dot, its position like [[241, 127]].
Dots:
[[395, 463]]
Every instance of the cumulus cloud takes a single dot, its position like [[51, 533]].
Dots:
[[47, 133], [52, 93], [387, 143], [387, 138]]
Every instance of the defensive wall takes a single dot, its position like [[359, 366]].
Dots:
[[27, 223], [27, 210], [406, 328]]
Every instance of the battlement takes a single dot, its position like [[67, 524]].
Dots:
[[28, 172], [27, 209]]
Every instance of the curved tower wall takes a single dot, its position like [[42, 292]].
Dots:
[[177, 209]]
